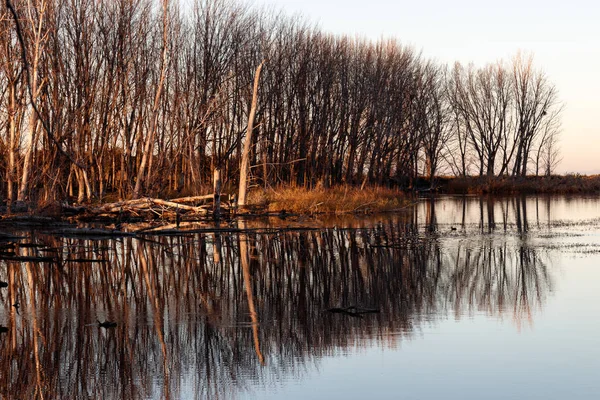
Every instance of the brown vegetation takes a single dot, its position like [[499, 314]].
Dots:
[[339, 199]]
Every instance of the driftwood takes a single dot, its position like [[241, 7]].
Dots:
[[145, 204], [92, 232], [193, 199], [171, 228], [128, 210], [166, 203]]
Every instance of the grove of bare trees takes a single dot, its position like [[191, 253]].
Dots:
[[124, 98]]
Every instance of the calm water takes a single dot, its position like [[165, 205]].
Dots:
[[477, 298]]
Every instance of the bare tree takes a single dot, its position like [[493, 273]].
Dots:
[[149, 142], [483, 98], [245, 166], [11, 100], [548, 152], [535, 97], [433, 110]]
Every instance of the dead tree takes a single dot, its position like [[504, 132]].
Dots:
[[245, 165]]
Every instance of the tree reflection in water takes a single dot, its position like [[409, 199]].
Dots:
[[209, 314]]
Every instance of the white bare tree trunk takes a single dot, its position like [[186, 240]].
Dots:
[[245, 167]]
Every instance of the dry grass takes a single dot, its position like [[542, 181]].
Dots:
[[339, 199]]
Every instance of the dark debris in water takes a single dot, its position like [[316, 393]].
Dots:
[[353, 311], [107, 324]]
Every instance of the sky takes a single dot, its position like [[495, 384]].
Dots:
[[563, 36]]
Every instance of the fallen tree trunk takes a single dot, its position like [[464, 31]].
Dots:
[[91, 232], [167, 203], [146, 203], [193, 199]]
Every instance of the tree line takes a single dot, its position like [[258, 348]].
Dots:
[[138, 97]]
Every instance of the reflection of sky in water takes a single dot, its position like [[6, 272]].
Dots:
[[557, 356], [449, 210]]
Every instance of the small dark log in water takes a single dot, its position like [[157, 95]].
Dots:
[[344, 311], [3, 329], [353, 311], [17, 304], [106, 324]]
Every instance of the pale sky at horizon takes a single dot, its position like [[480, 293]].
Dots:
[[564, 38]]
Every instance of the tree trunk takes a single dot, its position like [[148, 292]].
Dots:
[[245, 167], [28, 157], [10, 172], [217, 193], [150, 138]]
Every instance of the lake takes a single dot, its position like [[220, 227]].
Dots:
[[453, 297]]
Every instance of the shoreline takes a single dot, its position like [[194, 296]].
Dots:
[[287, 201], [511, 185]]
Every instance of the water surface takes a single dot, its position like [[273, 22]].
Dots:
[[476, 298]]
